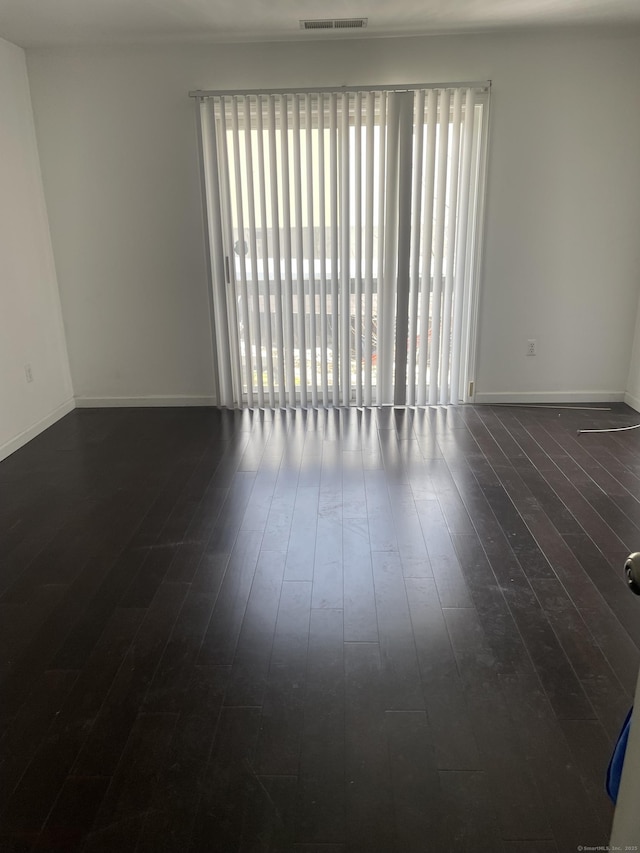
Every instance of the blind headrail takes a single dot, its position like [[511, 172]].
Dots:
[[203, 94]]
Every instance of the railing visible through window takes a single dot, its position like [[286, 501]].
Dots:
[[342, 229]]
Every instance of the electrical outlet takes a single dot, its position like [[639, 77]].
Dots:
[[531, 347], [28, 373]]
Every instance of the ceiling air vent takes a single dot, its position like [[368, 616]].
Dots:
[[335, 24], [350, 23], [316, 25]]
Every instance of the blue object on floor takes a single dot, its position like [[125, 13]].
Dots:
[[614, 770]]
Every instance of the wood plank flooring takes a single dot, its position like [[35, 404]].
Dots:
[[345, 630]]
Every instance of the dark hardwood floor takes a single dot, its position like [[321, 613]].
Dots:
[[344, 630]]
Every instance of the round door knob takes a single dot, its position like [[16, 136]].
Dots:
[[632, 572]]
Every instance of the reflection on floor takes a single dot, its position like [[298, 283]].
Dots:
[[343, 630]]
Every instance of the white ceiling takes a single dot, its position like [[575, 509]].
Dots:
[[31, 23]]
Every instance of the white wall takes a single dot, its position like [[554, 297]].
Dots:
[[117, 142], [30, 321], [632, 396]]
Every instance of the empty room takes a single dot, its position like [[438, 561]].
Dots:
[[319, 379]]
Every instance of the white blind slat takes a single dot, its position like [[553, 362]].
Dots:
[[438, 255], [286, 251], [387, 287], [324, 370], [207, 150], [414, 288], [313, 342], [253, 254], [245, 344], [427, 245], [300, 300], [357, 223], [275, 231], [368, 250], [461, 250], [228, 242], [382, 171], [212, 196], [345, 254], [403, 283], [333, 212], [264, 233], [452, 213]]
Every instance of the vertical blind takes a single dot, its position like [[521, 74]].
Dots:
[[342, 232]]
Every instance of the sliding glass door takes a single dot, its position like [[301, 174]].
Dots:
[[342, 236]]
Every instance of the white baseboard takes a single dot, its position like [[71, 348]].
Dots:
[[632, 401], [551, 397], [26, 435], [141, 402]]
